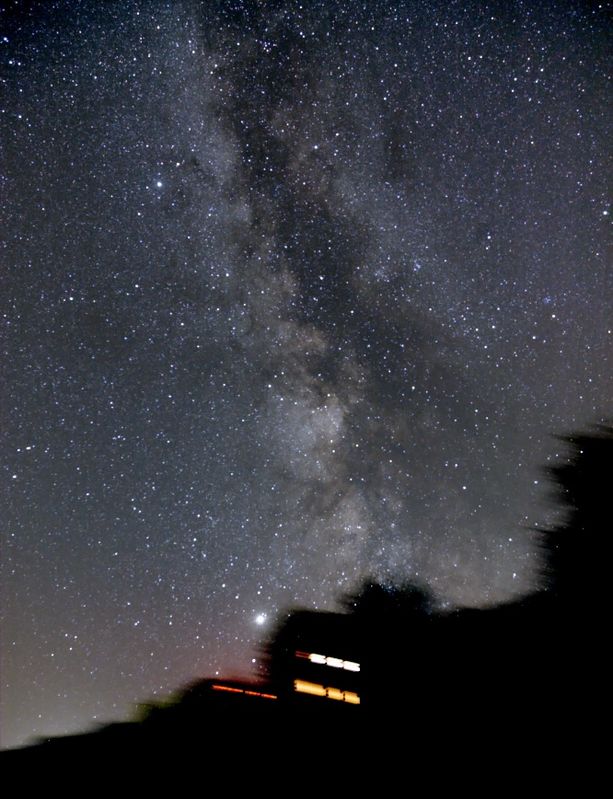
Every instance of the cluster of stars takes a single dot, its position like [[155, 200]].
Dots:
[[295, 296]]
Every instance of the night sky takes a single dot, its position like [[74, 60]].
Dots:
[[292, 294]]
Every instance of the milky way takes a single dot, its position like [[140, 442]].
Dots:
[[292, 295]]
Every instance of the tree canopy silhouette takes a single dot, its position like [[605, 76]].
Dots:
[[574, 550]]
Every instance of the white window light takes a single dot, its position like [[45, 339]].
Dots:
[[327, 660]]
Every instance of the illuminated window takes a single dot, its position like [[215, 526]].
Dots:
[[327, 660], [315, 689], [230, 689], [304, 687]]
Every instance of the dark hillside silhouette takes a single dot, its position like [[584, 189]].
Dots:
[[533, 661], [527, 671]]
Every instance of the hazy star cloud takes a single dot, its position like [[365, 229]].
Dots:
[[295, 295]]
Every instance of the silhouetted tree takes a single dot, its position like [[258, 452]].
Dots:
[[575, 551], [374, 599], [470, 675]]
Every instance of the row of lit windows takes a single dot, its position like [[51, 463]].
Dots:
[[314, 689], [325, 660], [232, 690]]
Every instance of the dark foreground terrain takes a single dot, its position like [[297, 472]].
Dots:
[[393, 684]]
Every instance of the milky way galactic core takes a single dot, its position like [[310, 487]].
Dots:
[[293, 295]]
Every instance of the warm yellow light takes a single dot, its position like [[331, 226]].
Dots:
[[314, 689], [303, 687]]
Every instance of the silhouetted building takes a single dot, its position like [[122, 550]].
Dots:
[[317, 656]]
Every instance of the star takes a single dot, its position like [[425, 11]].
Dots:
[[325, 352]]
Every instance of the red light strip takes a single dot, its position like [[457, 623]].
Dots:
[[232, 690]]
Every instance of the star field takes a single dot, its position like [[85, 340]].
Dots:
[[293, 294]]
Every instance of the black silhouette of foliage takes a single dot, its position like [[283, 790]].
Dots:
[[574, 551], [467, 678], [377, 600]]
